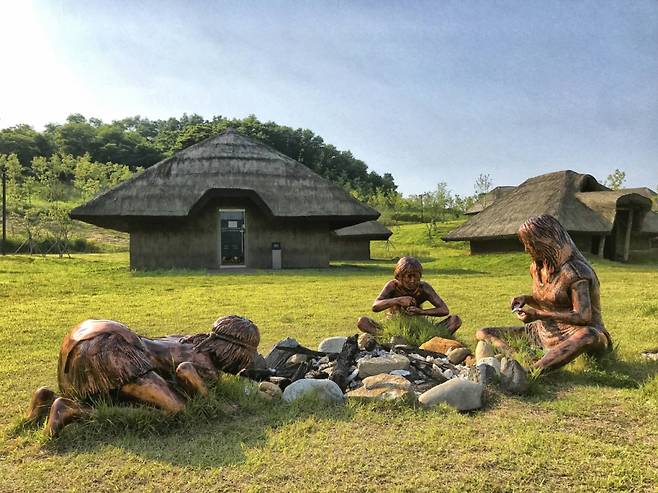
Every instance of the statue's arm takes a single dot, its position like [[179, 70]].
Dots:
[[581, 307], [439, 309], [386, 299]]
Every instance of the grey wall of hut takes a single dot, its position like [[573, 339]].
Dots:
[[586, 243], [193, 242], [350, 249]]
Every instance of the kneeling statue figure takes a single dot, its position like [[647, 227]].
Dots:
[[563, 313], [106, 358]]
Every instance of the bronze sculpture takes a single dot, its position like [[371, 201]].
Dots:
[[106, 358], [563, 313], [405, 294]]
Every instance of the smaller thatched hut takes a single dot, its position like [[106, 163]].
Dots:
[[488, 199], [610, 223], [353, 242]]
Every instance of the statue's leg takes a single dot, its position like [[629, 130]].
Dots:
[[496, 336], [62, 412], [152, 389], [40, 405], [581, 340], [452, 323], [190, 379], [368, 325]]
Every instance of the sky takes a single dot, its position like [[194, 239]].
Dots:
[[430, 92]]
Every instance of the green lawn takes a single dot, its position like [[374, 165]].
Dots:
[[584, 428]]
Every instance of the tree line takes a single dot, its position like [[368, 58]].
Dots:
[[138, 142]]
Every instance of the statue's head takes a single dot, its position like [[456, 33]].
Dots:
[[547, 241], [232, 343], [408, 271]]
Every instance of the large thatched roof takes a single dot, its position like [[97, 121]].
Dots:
[[369, 230], [228, 164], [488, 199], [578, 201]]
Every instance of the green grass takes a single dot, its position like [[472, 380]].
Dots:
[[589, 427], [414, 330]]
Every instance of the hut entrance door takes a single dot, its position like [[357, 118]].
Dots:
[[232, 238]]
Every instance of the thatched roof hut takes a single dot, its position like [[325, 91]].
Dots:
[[224, 202], [353, 242], [609, 223]]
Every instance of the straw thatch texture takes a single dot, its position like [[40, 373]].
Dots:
[[228, 164], [552, 193], [607, 203], [369, 230], [488, 199]]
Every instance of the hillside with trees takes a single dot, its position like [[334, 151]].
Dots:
[[52, 171]]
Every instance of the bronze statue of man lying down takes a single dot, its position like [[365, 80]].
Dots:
[[106, 358]]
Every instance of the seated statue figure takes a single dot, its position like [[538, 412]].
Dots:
[[563, 313], [405, 294], [106, 358]]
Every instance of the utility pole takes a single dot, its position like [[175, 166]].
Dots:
[[4, 210]]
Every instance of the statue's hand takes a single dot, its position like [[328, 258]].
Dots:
[[519, 301], [527, 315], [413, 310], [406, 301]]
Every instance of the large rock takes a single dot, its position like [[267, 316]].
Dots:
[[384, 380], [382, 394], [381, 364], [458, 355], [332, 344], [367, 342], [491, 361], [513, 377], [325, 390], [441, 345], [461, 394], [484, 350]]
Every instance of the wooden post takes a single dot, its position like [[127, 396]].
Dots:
[[627, 240], [4, 211], [601, 246]]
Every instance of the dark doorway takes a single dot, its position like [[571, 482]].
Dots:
[[231, 238]]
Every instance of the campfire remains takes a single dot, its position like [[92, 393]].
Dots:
[[361, 367]]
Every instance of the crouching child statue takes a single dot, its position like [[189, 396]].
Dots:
[[105, 358]]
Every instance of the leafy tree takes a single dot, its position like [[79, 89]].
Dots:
[[483, 184], [76, 137], [25, 142], [60, 224], [616, 179]]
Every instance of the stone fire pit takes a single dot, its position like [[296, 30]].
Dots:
[[360, 367]]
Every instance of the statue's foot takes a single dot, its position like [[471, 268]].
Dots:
[[454, 322], [190, 380], [369, 326], [62, 412], [40, 405]]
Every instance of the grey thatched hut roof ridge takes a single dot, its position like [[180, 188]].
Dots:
[[228, 164], [371, 230], [551, 193], [489, 198], [578, 201]]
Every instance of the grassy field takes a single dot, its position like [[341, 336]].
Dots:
[[584, 428]]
